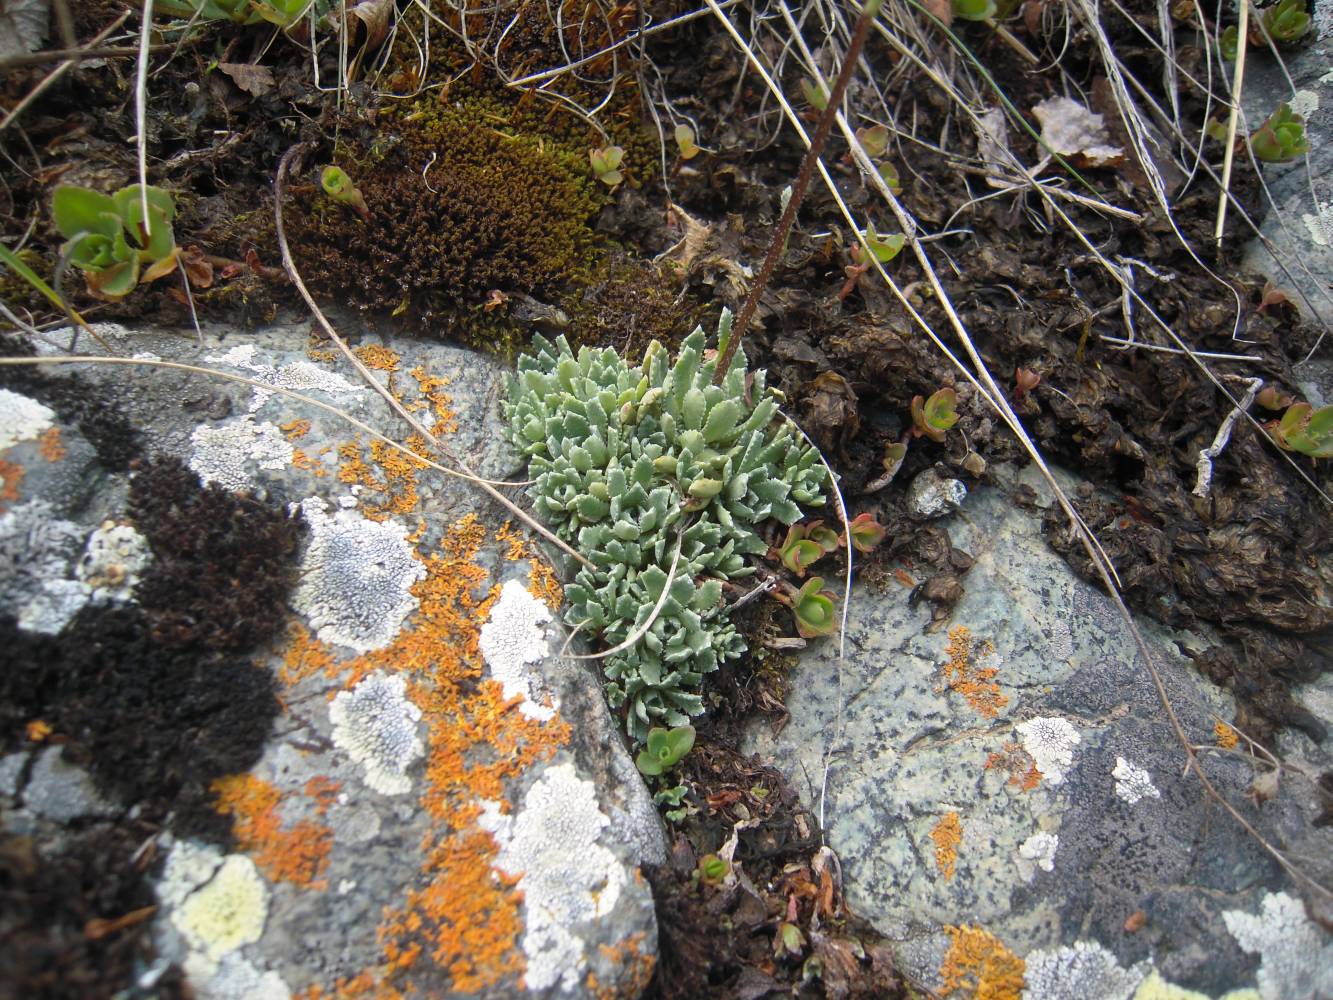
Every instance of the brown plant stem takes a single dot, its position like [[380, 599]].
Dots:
[[798, 189]]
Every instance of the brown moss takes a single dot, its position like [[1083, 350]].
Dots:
[[498, 208], [628, 305], [978, 966]]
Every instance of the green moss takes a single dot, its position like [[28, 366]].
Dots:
[[498, 209]]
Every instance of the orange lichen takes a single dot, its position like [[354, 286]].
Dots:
[[295, 429], [947, 835], [978, 966], [1227, 737], [396, 481], [975, 684], [629, 955], [50, 446], [323, 791], [298, 855], [364, 986], [1022, 769], [379, 357], [305, 657], [467, 916], [37, 730], [542, 581], [301, 460], [462, 916], [431, 392], [11, 474]]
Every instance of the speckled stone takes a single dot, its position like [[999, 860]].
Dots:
[[885, 750]]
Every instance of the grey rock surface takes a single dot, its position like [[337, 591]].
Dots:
[[60, 792], [1017, 773], [1301, 230], [444, 793]]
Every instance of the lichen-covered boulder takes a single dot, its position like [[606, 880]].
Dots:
[[1007, 798], [425, 798]]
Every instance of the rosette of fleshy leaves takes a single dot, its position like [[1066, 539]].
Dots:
[[111, 239], [630, 464]]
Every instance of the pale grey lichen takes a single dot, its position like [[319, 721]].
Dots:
[[1038, 850], [1050, 742], [376, 725], [222, 455], [21, 418], [113, 559], [1086, 971], [567, 878], [37, 553], [227, 912], [1132, 782], [632, 462], [297, 376], [511, 639], [237, 979], [1295, 956], [356, 577]]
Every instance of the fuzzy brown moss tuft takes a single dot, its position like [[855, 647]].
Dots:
[[498, 209]]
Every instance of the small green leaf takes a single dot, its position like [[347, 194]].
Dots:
[[81, 210]]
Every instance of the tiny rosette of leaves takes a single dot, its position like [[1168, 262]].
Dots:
[[630, 460], [606, 164], [1286, 21], [934, 416], [664, 750], [866, 533], [337, 184], [1306, 430], [1281, 137], [799, 552], [814, 610], [110, 239]]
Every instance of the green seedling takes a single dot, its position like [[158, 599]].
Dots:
[[893, 459], [874, 140], [815, 95], [889, 174], [885, 248], [974, 10], [1229, 43], [112, 240], [1306, 430], [712, 869], [1281, 137], [1215, 130], [606, 164], [685, 142], [665, 749], [866, 533], [337, 184], [936, 415], [1286, 21], [812, 606], [826, 538], [799, 551], [788, 940]]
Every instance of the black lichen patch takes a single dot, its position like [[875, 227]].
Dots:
[[159, 699], [223, 562], [76, 402], [462, 204], [72, 915], [154, 725]]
